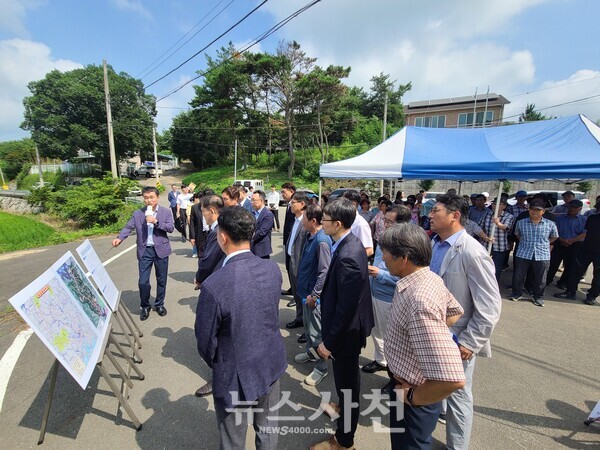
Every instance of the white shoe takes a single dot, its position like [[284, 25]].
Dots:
[[315, 377], [194, 255], [303, 357]]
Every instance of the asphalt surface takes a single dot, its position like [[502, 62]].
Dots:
[[535, 392]]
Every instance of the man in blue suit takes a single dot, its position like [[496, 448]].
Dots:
[[346, 317], [237, 303], [151, 224], [212, 257], [245, 201], [261, 240]]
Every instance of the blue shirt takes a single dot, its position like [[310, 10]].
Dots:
[[570, 226], [478, 215], [534, 239], [383, 286], [440, 248], [336, 244]]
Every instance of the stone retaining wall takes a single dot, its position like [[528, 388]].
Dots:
[[15, 202]]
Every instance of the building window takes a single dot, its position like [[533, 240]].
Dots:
[[466, 119], [431, 122]]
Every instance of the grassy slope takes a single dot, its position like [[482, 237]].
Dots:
[[20, 232]]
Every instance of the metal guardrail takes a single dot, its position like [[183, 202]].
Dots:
[[134, 200]]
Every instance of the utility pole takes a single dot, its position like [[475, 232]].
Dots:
[[39, 164], [111, 138], [4, 185], [235, 162], [384, 134], [155, 152]]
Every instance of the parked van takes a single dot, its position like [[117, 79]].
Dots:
[[256, 184]]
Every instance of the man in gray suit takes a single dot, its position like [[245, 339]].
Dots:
[[468, 273], [294, 248]]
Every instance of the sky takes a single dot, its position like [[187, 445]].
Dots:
[[530, 51]]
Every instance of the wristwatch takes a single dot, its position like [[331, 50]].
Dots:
[[409, 398]]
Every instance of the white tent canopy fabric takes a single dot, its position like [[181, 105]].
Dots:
[[567, 149]]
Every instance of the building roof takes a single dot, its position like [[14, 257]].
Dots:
[[458, 101]]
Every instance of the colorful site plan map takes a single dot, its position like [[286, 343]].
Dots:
[[68, 315]]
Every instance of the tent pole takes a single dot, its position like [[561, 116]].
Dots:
[[496, 209], [459, 187], [320, 188], [381, 188]]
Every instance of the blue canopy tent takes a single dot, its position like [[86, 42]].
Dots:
[[567, 149]]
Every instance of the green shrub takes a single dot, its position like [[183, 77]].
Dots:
[[28, 182]]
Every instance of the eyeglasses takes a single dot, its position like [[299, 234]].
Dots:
[[438, 210], [328, 220], [536, 208], [388, 221]]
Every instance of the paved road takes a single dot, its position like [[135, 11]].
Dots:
[[534, 393]]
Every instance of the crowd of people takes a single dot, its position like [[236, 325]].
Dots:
[[422, 280]]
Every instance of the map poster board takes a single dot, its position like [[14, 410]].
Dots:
[[99, 274], [69, 316]]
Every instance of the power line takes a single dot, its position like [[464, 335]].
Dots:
[[209, 44], [555, 86], [257, 40], [182, 37]]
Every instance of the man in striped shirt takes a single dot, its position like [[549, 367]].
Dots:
[[503, 224]]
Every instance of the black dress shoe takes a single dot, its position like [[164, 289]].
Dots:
[[291, 303], [288, 292], [373, 367], [145, 313], [302, 339], [296, 323], [205, 390], [161, 311]]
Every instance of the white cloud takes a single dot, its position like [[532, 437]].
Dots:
[[134, 6], [439, 46], [13, 15], [445, 49], [22, 61], [556, 98]]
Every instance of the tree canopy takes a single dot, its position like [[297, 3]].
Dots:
[[531, 115], [66, 112], [278, 103]]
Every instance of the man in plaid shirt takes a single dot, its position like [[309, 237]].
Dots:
[[422, 357], [503, 224], [535, 235]]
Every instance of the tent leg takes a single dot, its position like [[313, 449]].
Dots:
[[496, 209]]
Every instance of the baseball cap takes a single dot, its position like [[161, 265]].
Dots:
[[521, 194], [567, 193], [473, 195], [576, 203], [487, 194]]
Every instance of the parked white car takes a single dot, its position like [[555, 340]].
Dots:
[[555, 198], [147, 171]]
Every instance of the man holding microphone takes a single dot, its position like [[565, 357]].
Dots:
[[151, 224]]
